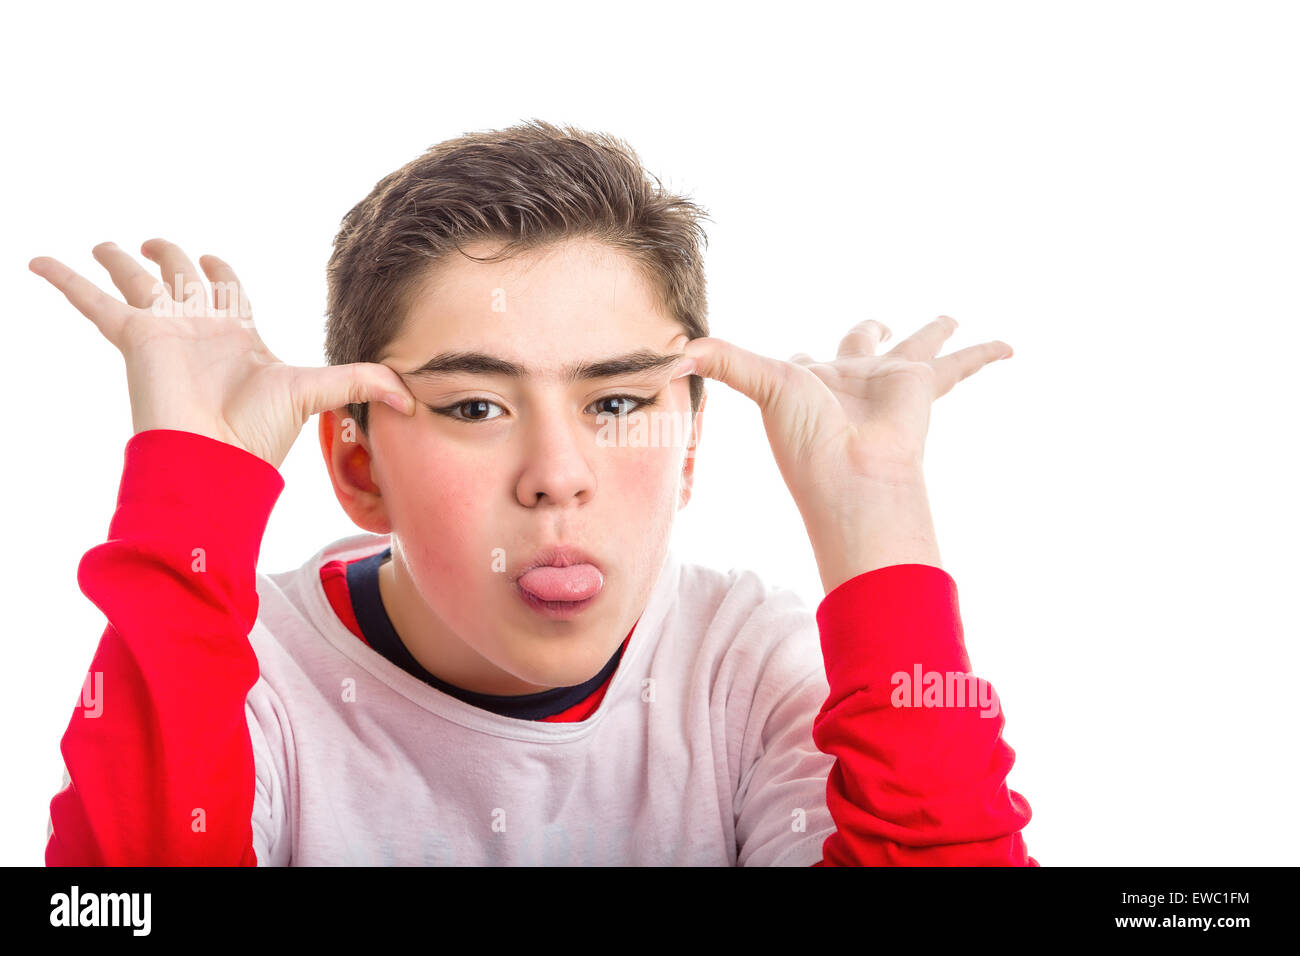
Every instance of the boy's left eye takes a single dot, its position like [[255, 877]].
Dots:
[[623, 398]]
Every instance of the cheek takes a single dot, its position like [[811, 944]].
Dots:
[[645, 475], [437, 498]]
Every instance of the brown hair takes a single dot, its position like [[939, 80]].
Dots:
[[528, 185]]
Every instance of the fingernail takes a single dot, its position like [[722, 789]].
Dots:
[[398, 402], [685, 368]]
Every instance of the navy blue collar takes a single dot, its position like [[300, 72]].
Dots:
[[363, 589]]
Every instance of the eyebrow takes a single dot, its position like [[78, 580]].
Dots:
[[480, 363]]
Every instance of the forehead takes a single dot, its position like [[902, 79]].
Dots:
[[545, 308]]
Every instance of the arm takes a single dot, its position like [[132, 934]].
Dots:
[[161, 765], [833, 773], [911, 785], [163, 772], [848, 436]]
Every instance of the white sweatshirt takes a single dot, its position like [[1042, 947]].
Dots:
[[700, 752]]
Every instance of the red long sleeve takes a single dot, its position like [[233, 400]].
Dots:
[[911, 785], [161, 766]]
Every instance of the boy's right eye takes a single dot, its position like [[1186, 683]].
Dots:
[[477, 404]]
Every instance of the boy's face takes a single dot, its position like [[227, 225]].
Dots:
[[519, 464]]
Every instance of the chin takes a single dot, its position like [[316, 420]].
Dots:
[[559, 669]]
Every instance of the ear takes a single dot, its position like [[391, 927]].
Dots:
[[349, 459], [688, 468]]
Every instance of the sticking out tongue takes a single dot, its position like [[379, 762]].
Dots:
[[574, 583]]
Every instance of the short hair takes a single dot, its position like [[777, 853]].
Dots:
[[528, 186]]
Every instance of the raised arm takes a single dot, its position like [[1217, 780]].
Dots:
[[910, 784], [158, 749], [920, 764]]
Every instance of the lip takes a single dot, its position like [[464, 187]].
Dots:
[[556, 610], [559, 556]]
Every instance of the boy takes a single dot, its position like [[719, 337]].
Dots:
[[510, 666]]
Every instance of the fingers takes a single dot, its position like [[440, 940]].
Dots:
[[863, 339], [139, 287], [319, 389], [178, 274], [227, 291], [963, 363], [925, 343], [110, 315], [747, 372]]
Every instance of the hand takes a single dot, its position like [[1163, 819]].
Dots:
[[849, 435], [202, 368]]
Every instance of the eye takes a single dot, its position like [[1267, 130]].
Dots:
[[478, 404], [640, 403]]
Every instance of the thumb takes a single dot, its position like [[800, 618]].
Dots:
[[747, 372], [320, 389]]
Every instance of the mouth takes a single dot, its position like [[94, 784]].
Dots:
[[559, 582]]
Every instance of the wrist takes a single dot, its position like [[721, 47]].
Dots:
[[881, 523]]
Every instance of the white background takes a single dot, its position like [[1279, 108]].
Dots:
[[1111, 188]]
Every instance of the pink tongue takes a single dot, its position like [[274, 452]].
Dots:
[[574, 583]]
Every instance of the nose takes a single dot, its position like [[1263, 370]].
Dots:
[[556, 469]]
